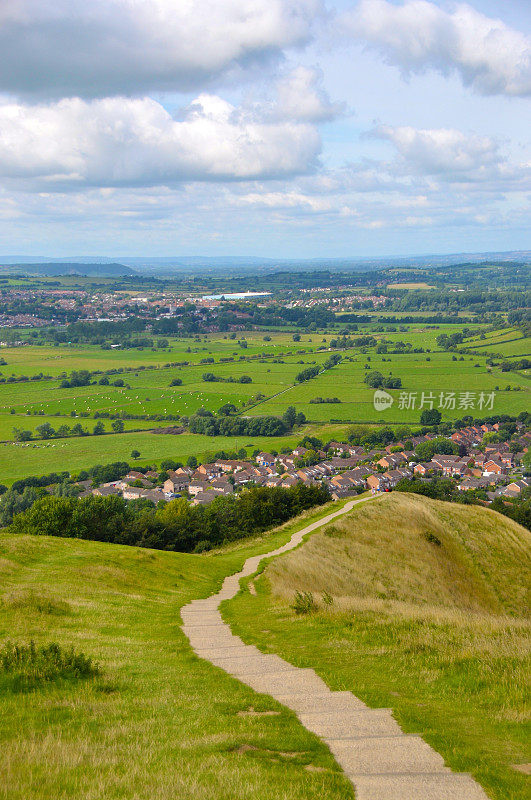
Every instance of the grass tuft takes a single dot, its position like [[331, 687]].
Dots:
[[27, 667]]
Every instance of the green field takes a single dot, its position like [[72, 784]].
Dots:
[[37, 458], [429, 617], [159, 722], [272, 367]]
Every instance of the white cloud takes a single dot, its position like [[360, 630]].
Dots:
[[105, 47], [300, 96], [489, 56], [124, 142], [443, 150]]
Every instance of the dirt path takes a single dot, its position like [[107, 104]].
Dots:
[[382, 762]]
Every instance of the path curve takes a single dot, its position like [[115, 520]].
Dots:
[[382, 762]]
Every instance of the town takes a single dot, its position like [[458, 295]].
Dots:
[[490, 470]]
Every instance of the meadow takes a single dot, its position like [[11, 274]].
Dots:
[[426, 613], [272, 366], [158, 721]]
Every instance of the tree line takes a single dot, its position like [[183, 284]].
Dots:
[[176, 525]]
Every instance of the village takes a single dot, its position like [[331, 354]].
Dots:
[[345, 469]]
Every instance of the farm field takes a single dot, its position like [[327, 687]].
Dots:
[[147, 390], [142, 728], [439, 374], [429, 617], [31, 360], [30, 423], [37, 458]]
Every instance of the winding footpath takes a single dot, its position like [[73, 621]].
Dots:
[[382, 762]]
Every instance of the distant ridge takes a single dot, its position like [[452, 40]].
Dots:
[[57, 268]]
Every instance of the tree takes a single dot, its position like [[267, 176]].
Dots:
[[99, 428], [426, 450], [45, 430], [374, 379], [135, 454], [246, 379], [296, 337], [191, 462], [78, 430], [117, 425], [430, 416], [176, 382], [290, 416], [228, 408], [21, 436]]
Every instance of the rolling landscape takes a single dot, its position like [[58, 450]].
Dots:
[[265, 420]]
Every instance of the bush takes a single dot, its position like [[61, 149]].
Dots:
[[26, 667], [304, 603]]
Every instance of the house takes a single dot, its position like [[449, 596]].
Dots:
[[197, 485], [138, 492], [229, 465], [107, 490], [133, 475], [180, 481], [391, 461], [517, 487], [221, 486], [210, 470], [492, 467], [205, 498], [266, 459], [425, 467], [287, 481], [286, 462], [472, 482], [395, 475], [378, 483]]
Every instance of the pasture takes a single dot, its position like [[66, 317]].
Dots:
[[272, 366]]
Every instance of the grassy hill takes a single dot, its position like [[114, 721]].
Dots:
[[158, 722], [428, 617]]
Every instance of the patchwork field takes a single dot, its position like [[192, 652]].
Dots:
[[272, 367]]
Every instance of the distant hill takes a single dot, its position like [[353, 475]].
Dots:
[[56, 268]]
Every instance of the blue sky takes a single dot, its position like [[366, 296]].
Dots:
[[283, 128]]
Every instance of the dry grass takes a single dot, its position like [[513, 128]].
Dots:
[[429, 617], [381, 552]]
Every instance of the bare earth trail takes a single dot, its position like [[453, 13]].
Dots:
[[382, 762]]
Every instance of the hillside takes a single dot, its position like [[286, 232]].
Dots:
[[142, 728], [74, 268], [415, 550], [419, 606]]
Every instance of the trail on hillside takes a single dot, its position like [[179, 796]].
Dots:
[[381, 761]]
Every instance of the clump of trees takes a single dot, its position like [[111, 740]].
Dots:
[[376, 380], [224, 423], [209, 377], [173, 526]]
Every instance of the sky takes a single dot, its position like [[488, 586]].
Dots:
[[275, 128]]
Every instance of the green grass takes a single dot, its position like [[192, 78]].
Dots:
[[43, 457], [437, 632], [158, 722], [150, 392]]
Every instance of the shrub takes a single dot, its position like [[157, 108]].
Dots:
[[304, 603], [26, 667]]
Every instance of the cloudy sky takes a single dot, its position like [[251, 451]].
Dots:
[[284, 128]]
